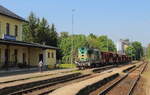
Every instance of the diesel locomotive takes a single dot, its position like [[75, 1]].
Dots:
[[89, 57]]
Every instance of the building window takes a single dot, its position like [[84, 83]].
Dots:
[[48, 55], [16, 30], [7, 28], [52, 55]]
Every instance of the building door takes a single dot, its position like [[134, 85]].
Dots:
[[6, 56], [40, 57], [24, 58], [16, 56], [0, 55]]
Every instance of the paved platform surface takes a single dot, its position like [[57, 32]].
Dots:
[[74, 88], [16, 71], [34, 75], [11, 84]]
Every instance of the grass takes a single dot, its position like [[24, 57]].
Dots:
[[66, 66]]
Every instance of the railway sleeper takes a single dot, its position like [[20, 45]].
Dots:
[[128, 69], [93, 87]]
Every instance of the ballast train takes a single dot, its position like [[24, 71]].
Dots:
[[88, 57]]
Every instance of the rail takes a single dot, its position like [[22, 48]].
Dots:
[[107, 89]]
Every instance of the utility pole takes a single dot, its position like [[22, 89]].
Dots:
[[72, 56], [107, 44]]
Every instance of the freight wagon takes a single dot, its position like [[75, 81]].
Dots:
[[88, 57]]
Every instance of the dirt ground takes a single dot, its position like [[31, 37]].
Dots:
[[146, 76], [140, 88], [143, 86]]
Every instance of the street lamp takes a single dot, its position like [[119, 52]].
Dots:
[[72, 57]]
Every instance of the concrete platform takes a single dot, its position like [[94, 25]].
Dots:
[[17, 71], [33, 75], [22, 82]]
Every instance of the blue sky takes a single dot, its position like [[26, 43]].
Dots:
[[115, 18]]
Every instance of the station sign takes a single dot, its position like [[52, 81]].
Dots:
[[9, 37]]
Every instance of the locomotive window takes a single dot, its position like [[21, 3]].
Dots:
[[90, 51], [82, 52]]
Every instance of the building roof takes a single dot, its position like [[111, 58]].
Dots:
[[125, 41], [26, 44], [8, 13]]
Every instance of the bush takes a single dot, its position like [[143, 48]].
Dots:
[[66, 65]]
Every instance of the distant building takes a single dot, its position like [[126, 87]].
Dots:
[[13, 51], [122, 45]]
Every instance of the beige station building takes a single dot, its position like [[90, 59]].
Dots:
[[16, 53]]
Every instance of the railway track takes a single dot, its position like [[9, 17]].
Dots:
[[136, 81], [46, 86], [13, 90], [123, 85], [95, 70]]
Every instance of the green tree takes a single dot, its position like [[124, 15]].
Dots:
[[130, 51], [53, 36], [106, 44], [138, 50], [92, 41], [60, 53], [92, 35], [66, 45], [39, 31], [148, 52], [43, 32], [30, 28], [64, 35]]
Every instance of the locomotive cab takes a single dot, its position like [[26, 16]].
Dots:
[[88, 57]]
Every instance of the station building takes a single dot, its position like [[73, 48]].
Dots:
[[13, 51], [122, 45]]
